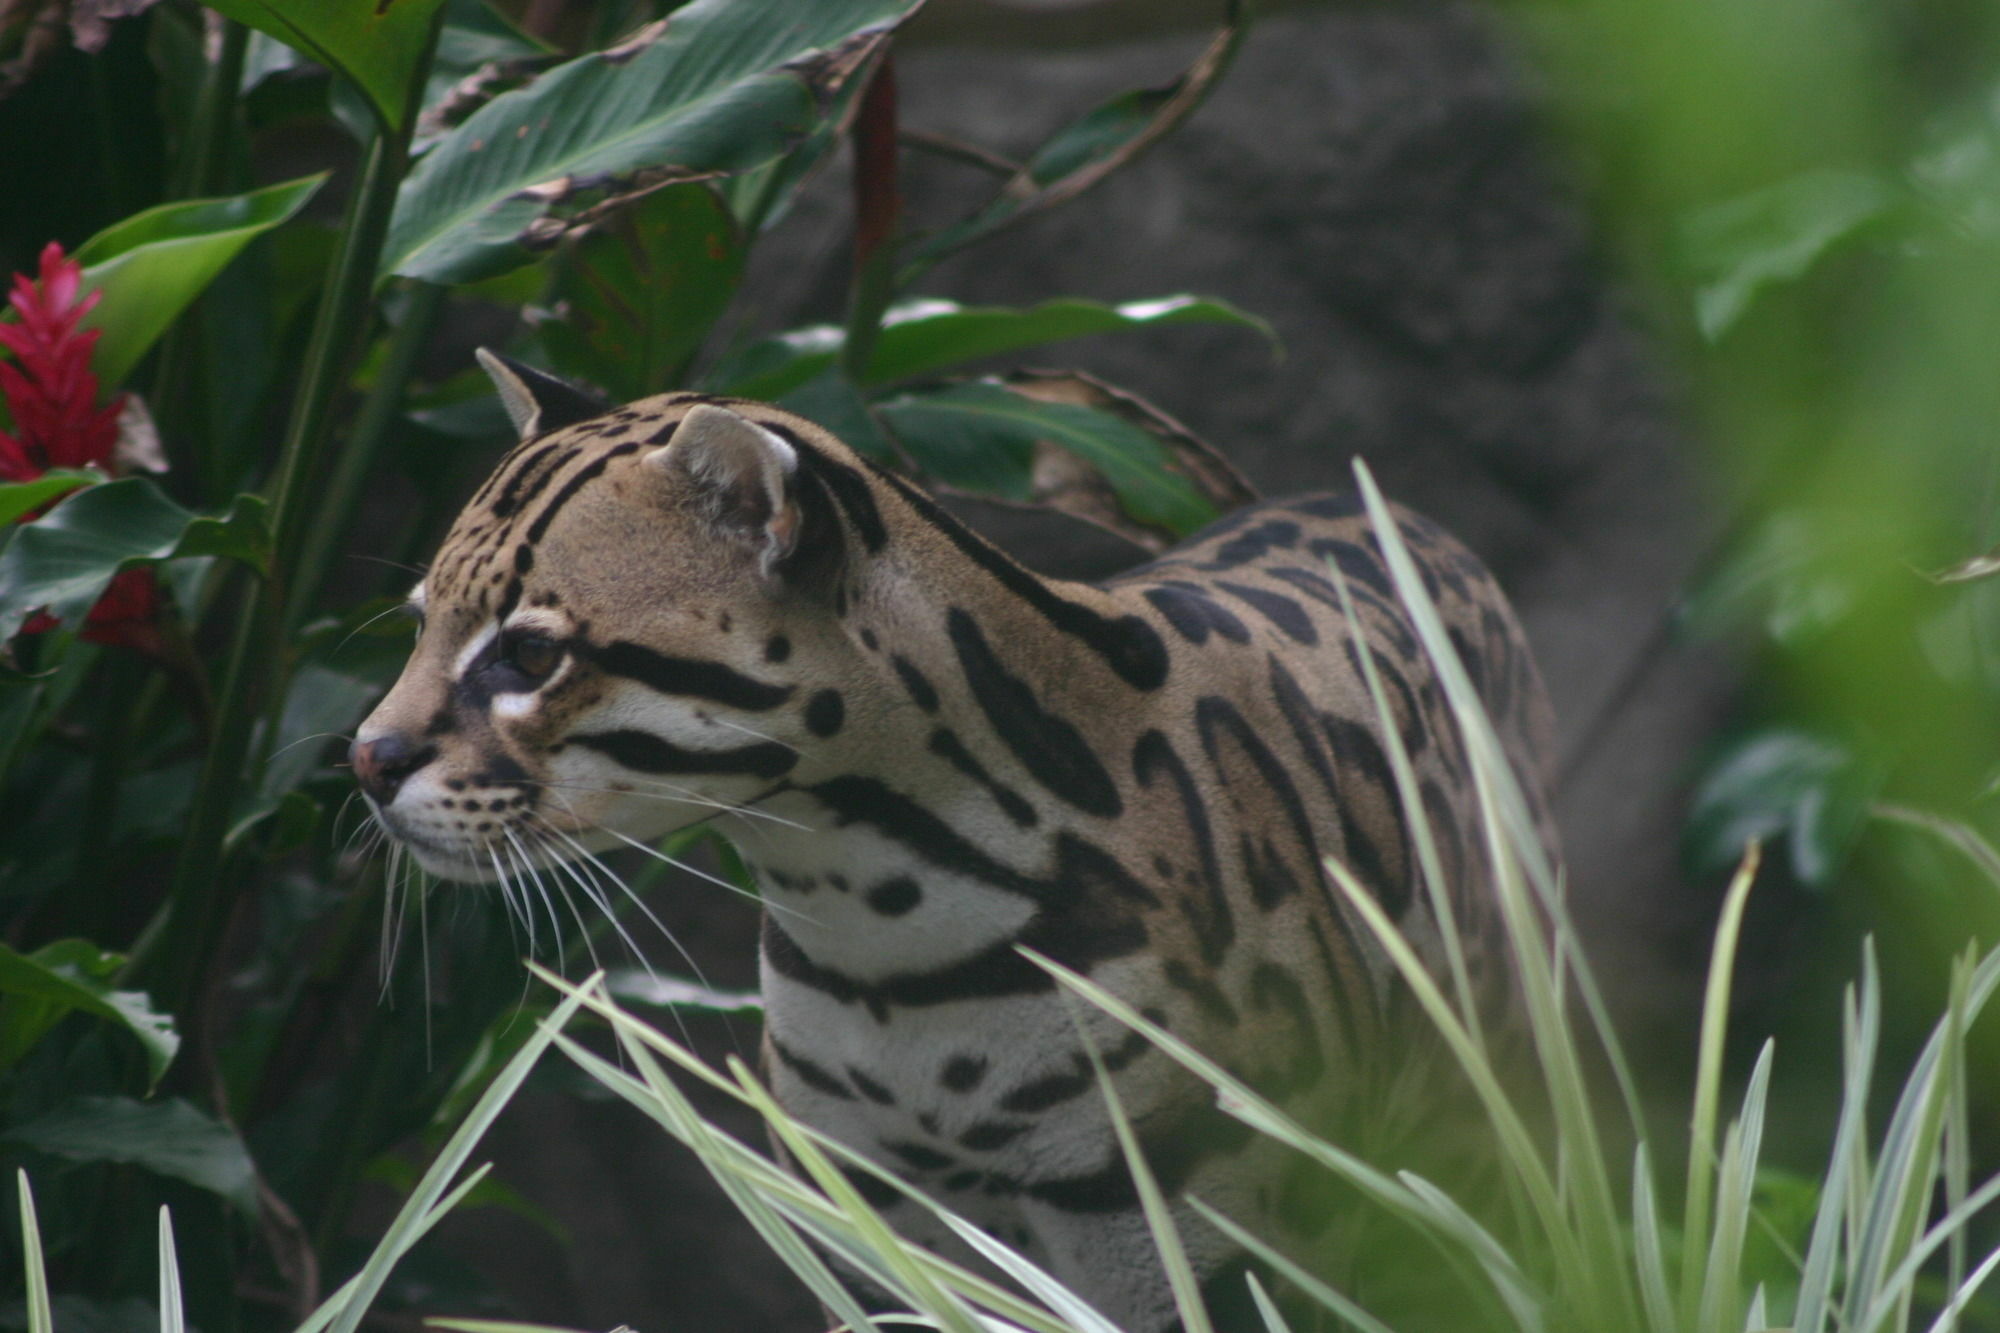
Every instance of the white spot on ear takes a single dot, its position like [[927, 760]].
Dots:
[[473, 648]]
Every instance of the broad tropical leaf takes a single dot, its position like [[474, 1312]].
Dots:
[[924, 337], [170, 1137], [640, 294], [721, 87], [151, 265], [377, 46], [981, 436], [62, 561], [70, 975]]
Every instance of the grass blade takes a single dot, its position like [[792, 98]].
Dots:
[[40, 1320], [423, 1205], [1299, 1277], [1166, 1238], [1708, 1077], [1274, 1322], [173, 1314]]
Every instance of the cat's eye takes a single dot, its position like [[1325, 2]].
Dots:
[[534, 656]]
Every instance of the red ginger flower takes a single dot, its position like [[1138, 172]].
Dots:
[[52, 396], [51, 392]]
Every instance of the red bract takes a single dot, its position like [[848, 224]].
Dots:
[[49, 388], [52, 396]]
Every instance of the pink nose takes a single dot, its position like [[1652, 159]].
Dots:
[[382, 764]]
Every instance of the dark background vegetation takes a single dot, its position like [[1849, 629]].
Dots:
[[1682, 322]]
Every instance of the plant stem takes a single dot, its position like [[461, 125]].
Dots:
[[878, 211], [201, 894], [198, 173], [364, 445], [199, 170]]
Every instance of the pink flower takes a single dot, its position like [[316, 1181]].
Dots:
[[52, 395]]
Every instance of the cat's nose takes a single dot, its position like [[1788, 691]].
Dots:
[[384, 763]]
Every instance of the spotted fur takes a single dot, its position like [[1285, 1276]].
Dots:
[[931, 756]]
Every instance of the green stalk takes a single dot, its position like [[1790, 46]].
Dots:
[[202, 893], [198, 173], [364, 445]]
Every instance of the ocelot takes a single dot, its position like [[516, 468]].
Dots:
[[696, 608]]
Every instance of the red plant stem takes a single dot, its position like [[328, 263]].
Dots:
[[877, 205]]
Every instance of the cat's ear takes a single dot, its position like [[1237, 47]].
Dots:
[[536, 401], [744, 473]]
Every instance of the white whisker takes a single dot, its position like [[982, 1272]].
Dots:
[[752, 731], [677, 795]]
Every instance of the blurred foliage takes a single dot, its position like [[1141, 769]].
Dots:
[[1807, 193]]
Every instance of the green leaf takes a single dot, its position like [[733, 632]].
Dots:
[[832, 400], [152, 264], [24, 497], [722, 87], [75, 975], [62, 560], [1784, 577], [377, 46], [476, 38], [981, 436], [1775, 235], [926, 336], [1095, 145], [1781, 782], [171, 1138], [641, 294]]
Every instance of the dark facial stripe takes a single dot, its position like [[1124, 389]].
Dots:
[[582, 477], [644, 752], [519, 491], [1129, 646], [1054, 752], [689, 677]]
